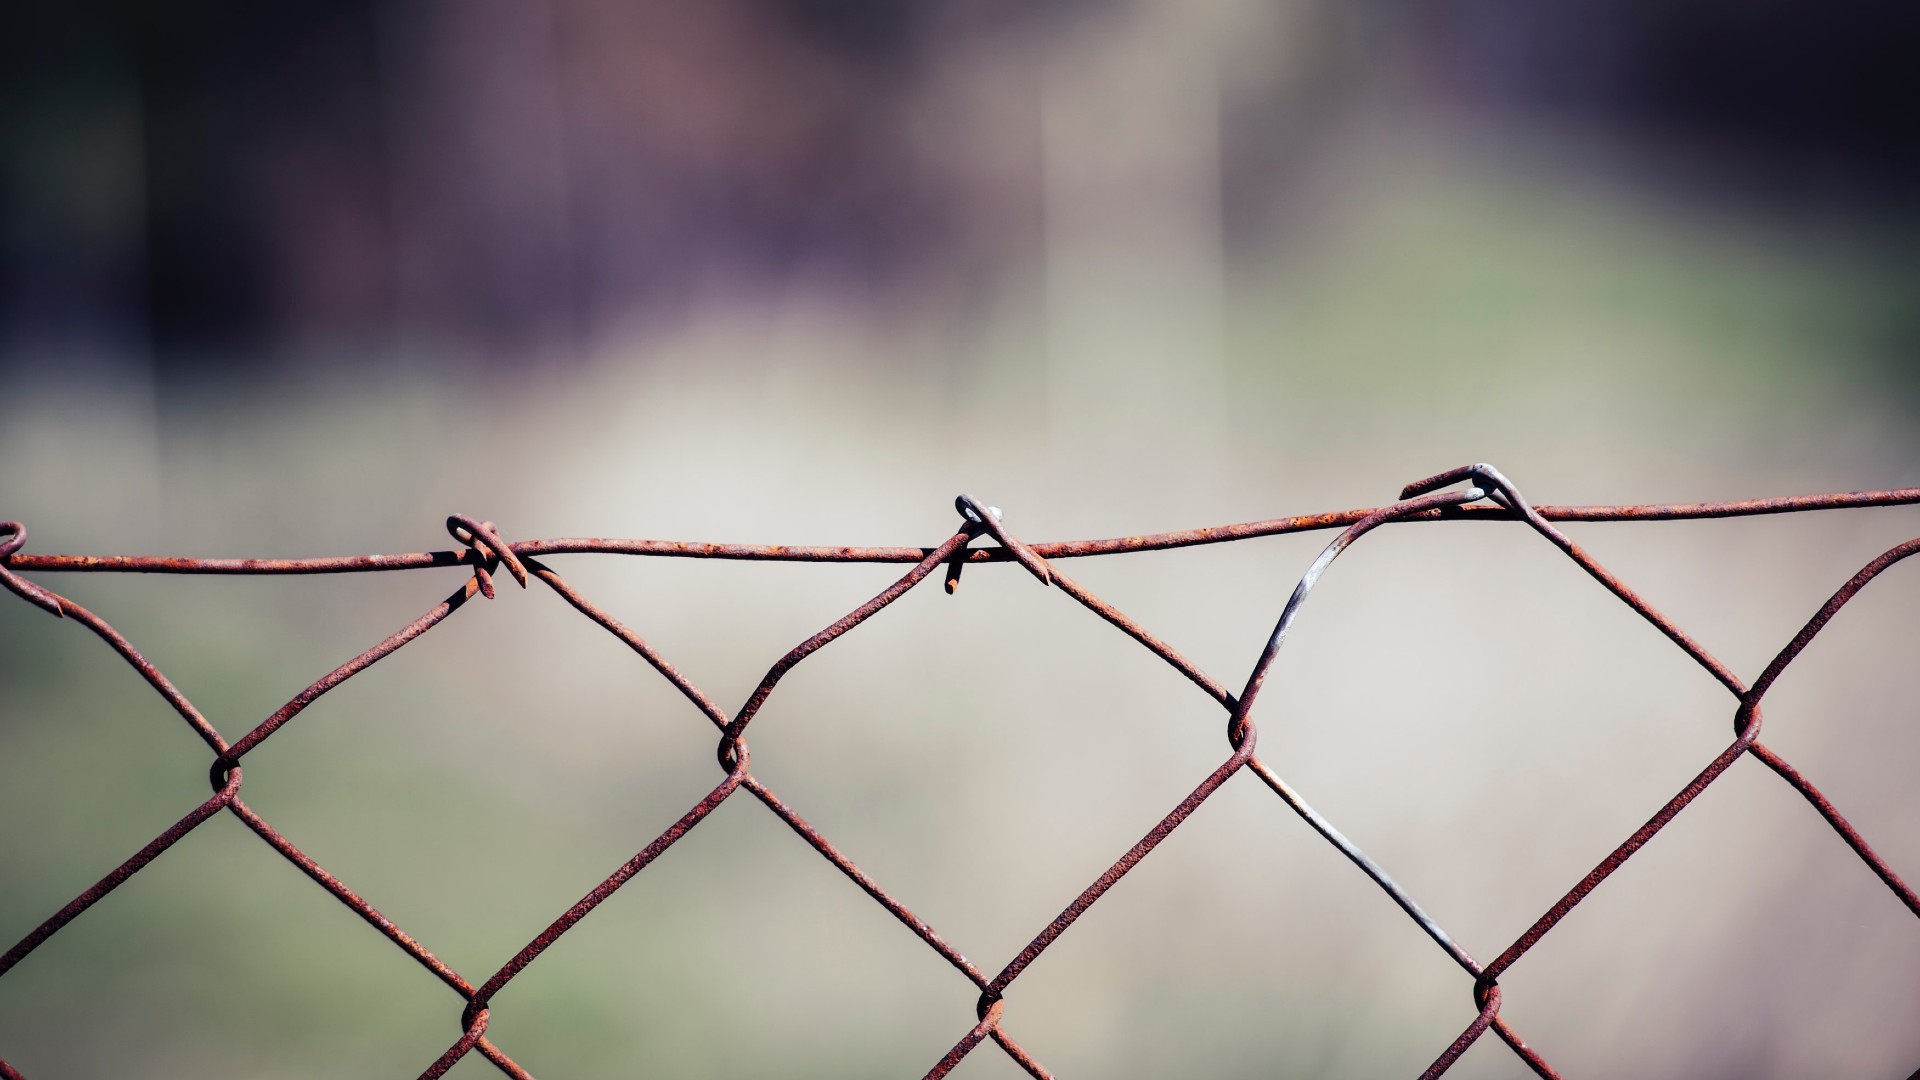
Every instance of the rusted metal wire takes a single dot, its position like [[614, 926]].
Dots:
[[1468, 493]]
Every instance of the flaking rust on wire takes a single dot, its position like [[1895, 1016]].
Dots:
[[1471, 492], [1057, 549]]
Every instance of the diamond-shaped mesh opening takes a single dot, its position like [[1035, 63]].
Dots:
[[986, 755], [739, 953], [1484, 720], [220, 960], [487, 797], [1667, 950], [1248, 943]]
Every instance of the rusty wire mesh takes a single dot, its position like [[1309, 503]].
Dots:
[[1469, 492]]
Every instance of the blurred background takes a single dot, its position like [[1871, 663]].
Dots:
[[304, 278]]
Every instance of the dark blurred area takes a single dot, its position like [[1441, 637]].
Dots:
[[235, 180], [228, 187], [1807, 107]]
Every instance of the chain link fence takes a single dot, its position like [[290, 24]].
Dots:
[[1476, 492]]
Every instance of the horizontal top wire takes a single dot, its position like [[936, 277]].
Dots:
[[1057, 549]]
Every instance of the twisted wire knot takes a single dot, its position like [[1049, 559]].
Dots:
[[13, 537], [733, 753], [482, 537], [1486, 989], [978, 518], [225, 776]]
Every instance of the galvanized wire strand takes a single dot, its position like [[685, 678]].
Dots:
[[483, 550]]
